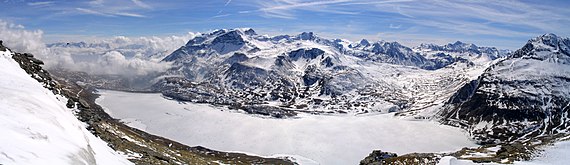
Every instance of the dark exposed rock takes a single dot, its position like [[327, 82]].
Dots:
[[235, 58], [32, 66], [306, 53], [377, 157], [275, 112], [2, 47], [327, 62]]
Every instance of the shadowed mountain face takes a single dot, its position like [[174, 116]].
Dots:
[[524, 95]]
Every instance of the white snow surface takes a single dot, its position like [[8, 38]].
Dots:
[[450, 160], [37, 128], [556, 154], [332, 139]]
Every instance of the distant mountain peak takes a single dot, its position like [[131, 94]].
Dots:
[[249, 31], [560, 48], [364, 42], [550, 35], [307, 36], [548, 39], [458, 43]]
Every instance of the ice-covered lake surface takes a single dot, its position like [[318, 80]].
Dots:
[[325, 139]]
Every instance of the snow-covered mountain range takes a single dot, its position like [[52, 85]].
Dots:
[[283, 75]]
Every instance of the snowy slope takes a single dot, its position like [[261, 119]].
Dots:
[[555, 154], [37, 128]]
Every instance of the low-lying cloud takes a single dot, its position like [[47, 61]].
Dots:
[[123, 56], [21, 40]]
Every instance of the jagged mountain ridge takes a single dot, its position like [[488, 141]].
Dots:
[[308, 73], [524, 95], [459, 52]]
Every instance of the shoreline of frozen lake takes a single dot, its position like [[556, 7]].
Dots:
[[325, 139]]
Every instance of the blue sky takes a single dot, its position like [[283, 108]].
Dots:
[[505, 24]]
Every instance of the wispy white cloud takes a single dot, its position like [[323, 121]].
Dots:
[[89, 11], [115, 8], [45, 3], [480, 17], [130, 14], [221, 15], [295, 4], [285, 8], [141, 4], [96, 2], [470, 28], [392, 26], [507, 18], [228, 2]]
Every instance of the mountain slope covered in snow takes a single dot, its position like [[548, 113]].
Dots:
[[38, 128], [525, 95], [284, 75]]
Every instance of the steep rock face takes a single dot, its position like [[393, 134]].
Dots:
[[525, 95], [218, 42]]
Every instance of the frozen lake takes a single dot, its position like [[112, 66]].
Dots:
[[324, 139]]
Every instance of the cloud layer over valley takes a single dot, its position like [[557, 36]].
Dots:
[[123, 56]]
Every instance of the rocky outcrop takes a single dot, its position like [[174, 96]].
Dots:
[[377, 157]]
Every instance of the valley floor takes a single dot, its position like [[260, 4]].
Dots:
[[326, 139]]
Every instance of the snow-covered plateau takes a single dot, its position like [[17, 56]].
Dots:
[[37, 127], [327, 139]]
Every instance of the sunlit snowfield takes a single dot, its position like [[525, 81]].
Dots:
[[324, 139], [559, 153]]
